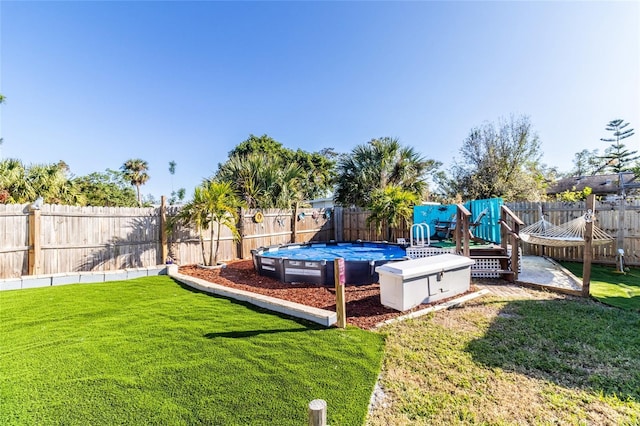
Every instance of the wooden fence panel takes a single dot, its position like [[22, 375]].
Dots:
[[14, 240], [274, 229], [355, 227], [184, 242], [97, 238], [313, 225]]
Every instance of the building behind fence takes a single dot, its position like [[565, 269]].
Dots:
[[60, 239]]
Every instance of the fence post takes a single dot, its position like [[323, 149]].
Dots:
[[294, 224], [318, 412], [588, 250], [164, 248], [338, 223], [621, 224], [33, 262]]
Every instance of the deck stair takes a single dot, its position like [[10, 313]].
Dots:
[[492, 262]]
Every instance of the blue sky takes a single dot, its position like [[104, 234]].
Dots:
[[97, 83]]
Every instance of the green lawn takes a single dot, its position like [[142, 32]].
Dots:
[[553, 359], [620, 290], [148, 351]]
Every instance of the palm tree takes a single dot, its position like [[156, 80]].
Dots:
[[377, 164], [264, 182], [13, 182], [391, 205], [135, 171], [213, 201]]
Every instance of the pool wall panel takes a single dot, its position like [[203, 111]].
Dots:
[[357, 272]]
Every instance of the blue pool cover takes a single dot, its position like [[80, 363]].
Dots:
[[347, 251]]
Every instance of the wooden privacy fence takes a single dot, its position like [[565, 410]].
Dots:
[[619, 218], [60, 239], [352, 225]]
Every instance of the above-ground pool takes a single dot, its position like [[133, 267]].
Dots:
[[313, 262]]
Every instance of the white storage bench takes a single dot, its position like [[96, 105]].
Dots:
[[406, 284]]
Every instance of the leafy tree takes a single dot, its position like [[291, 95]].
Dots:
[[261, 144], [13, 182], [586, 163], [617, 157], [212, 202], [135, 171], [52, 183], [391, 204], [377, 164], [176, 196], [318, 168], [109, 189], [23, 184], [573, 196], [500, 160]]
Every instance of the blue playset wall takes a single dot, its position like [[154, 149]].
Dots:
[[489, 228]]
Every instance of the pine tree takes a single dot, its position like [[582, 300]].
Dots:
[[617, 157]]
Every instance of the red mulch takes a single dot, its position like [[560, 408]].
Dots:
[[362, 301]]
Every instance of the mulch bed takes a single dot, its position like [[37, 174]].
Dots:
[[363, 305]]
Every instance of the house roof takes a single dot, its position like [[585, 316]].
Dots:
[[600, 184]]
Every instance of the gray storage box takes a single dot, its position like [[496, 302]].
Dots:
[[406, 284]]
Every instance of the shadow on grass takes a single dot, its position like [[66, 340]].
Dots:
[[574, 343], [251, 333], [309, 325]]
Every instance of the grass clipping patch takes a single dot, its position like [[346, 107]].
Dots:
[[539, 361]]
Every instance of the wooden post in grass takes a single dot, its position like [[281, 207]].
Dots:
[[318, 412], [339, 278], [33, 261], [164, 248], [588, 249]]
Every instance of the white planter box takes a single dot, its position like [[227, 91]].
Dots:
[[406, 284]]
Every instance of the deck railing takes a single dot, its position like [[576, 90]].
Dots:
[[509, 234]]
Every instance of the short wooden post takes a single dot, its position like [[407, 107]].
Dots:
[[318, 412], [339, 278], [164, 248], [33, 261], [588, 250]]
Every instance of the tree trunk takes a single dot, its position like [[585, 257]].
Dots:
[[211, 262], [215, 256], [138, 192], [204, 254]]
